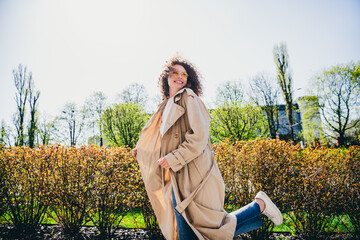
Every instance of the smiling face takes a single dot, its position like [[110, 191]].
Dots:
[[177, 79]]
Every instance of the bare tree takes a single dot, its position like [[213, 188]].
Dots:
[[230, 92], [33, 99], [95, 106], [21, 77], [265, 94], [46, 130], [74, 119], [153, 103], [5, 134], [135, 93], [339, 98], [286, 82]]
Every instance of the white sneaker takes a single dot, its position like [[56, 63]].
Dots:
[[271, 211]]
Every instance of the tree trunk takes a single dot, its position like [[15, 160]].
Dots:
[[291, 121]]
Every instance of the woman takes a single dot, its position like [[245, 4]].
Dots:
[[181, 177]]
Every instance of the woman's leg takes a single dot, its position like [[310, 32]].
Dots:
[[247, 218], [184, 230]]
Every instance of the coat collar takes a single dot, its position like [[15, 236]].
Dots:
[[178, 95], [177, 111], [174, 114]]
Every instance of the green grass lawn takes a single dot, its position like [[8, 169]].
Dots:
[[131, 220], [337, 225], [135, 220]]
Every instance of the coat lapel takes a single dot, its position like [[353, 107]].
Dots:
[[174, 114]]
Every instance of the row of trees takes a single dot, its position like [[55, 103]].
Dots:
[[26, 96], [333, 100], [74, 124], [241, 114]]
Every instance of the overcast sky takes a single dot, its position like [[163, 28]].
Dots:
[[76, 47]]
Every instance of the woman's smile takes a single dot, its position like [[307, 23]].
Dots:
[[179, 82], [177, 79]]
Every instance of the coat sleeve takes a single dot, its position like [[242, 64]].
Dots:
[[196, 138]]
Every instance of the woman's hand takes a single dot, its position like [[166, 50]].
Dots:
[[163, 162], [134, 152]]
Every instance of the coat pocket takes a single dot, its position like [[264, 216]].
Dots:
[[203, 216], [203, 163]]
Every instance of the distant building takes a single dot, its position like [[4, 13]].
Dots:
[[284, 131], [307, 121], [95, 140], [307, 126]]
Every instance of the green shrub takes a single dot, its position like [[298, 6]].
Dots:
[[3, 204], [112, 192], [350, 189], [317, 189], [71, 179], [251, 166], [24, 187], [313, 186]]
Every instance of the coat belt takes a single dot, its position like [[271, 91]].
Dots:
[[181, 206]]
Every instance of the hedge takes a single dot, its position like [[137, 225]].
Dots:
[[75, 186]]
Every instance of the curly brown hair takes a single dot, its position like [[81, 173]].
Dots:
[[193, 80]]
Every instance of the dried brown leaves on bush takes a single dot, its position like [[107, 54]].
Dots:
[[77, 185], [313, 186], [23, 187]]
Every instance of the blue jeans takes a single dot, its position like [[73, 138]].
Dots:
[[184, 230], [248, 218]]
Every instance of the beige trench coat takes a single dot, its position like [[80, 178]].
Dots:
[[194, 175]]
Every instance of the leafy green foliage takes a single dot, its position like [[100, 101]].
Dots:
[[338, 91], [311, 120], [122, 123], [238, 120]]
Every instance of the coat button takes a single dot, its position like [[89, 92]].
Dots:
[[176, 135]]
